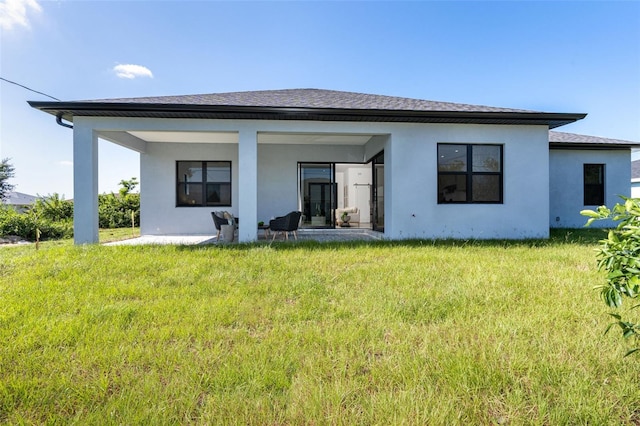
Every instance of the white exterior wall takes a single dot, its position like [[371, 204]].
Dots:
[[567, 183], [411, 208], [412, 166], [85, 182], [159, 214], [278, 173]]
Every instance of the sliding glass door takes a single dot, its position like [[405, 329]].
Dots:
[[317, 194]]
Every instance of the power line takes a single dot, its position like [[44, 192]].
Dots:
[[30, 89]]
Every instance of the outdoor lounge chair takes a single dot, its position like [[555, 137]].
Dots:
[[286, 224], [218, 222]]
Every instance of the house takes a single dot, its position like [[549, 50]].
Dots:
[[635, 179], [20, 201], [597, 171], [413, 168]]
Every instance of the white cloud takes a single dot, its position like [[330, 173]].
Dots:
[[65, 163], [131, 71], [14, 12]]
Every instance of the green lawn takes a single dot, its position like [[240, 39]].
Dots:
[[414, 332]]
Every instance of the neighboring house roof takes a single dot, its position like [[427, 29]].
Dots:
[[303, 104], [20, 199], [635, 171], [568, 140]]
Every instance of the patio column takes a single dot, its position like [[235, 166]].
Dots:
[[85, 183], [248, 185]]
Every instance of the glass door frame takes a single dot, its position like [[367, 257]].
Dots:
[[331, 204], [377, 196]]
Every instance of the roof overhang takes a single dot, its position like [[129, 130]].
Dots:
[[591, 146], [69, 110]]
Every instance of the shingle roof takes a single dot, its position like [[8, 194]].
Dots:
[[303, 104], [311, 98], [20, 199], [573, 138]]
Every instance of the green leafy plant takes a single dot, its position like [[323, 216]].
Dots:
[[120, 210], [54, 207], [619, 256]]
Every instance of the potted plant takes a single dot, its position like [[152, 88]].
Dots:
[[345, 219]]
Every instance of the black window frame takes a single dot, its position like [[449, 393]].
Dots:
[[596, 190], [469, 174], [203, 185]]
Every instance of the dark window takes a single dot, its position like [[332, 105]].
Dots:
[[469, 173], [594, 184], [203, 183]]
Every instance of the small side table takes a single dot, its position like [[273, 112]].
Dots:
[[345, 222], [266, 230]]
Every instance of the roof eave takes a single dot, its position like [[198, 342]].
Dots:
[[592, 146], [68, 110]]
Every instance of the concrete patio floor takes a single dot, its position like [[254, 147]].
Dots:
[[320, 235]]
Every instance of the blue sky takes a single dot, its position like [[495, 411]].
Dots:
[[564, 56]]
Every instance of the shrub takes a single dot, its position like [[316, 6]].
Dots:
[[114, 210], [53, 215], [619, 256], [54, 208], [25, 225]]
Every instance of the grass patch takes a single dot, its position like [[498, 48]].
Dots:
[[411, 332]]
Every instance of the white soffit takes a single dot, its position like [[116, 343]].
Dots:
[[267, 138], [187, 137]]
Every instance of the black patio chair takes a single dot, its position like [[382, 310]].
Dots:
[[286, 224]]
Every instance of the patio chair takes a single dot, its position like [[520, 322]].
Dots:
[[286, 224], [218, 221]]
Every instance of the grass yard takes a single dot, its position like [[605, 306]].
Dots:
[[414, 332]]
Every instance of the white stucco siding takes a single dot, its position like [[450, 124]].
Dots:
[[411, 204], [159, 214], [85, 182], [413, 165], [277, 181], [278, 172], [566, 192]]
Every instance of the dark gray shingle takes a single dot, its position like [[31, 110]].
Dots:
[[573, 138], [310, 98]]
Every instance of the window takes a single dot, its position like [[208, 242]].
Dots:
[[594, 184], [469, 173], [203, 183]]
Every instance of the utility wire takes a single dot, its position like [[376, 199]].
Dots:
[[28, 88]]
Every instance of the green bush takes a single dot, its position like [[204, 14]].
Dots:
[[619, 256], [114, 210], [54, 208], [25, 225], [53, 215]]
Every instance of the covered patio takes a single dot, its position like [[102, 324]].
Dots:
[[319, 235]]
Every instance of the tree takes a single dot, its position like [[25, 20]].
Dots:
[[54, 207], [7, 171], [127, 186], [619, 256], [121, 210]]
